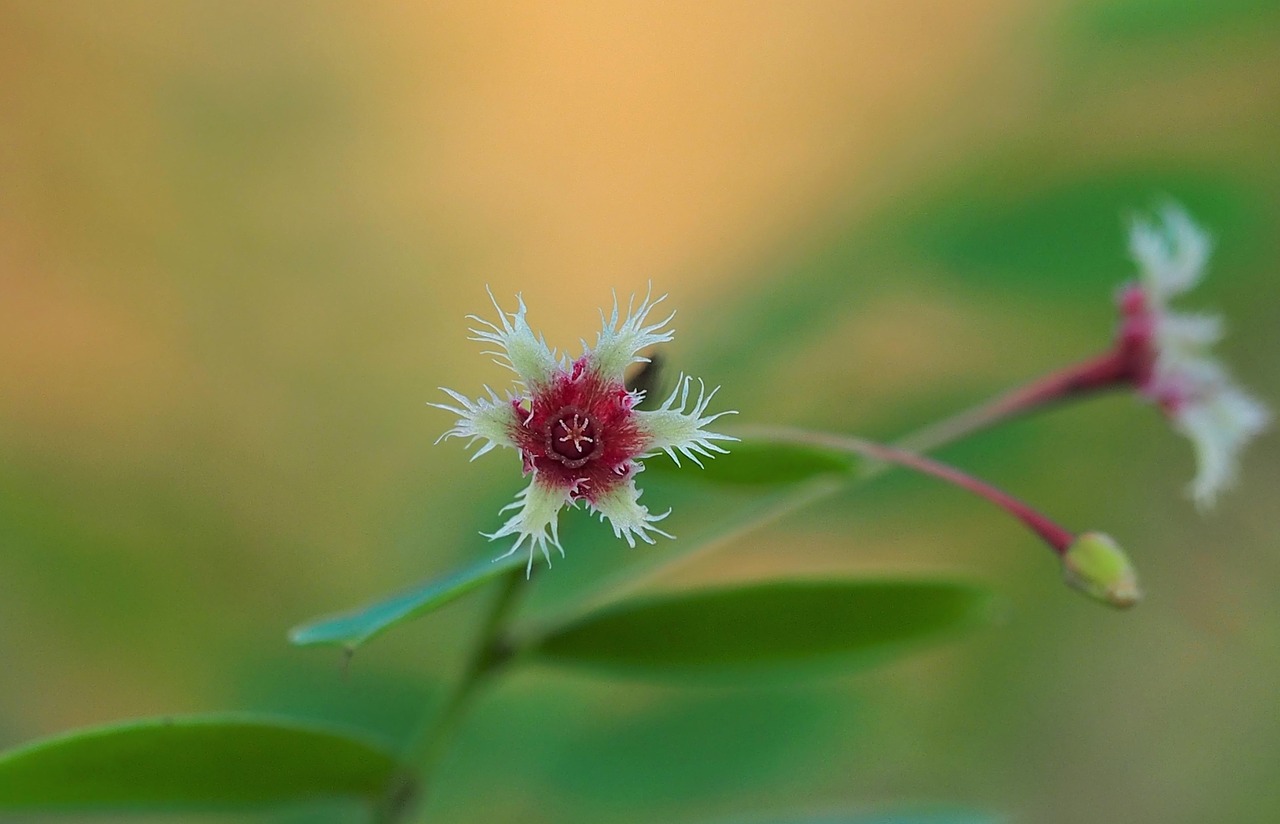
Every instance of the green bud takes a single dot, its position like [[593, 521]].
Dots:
[[1096, 566]]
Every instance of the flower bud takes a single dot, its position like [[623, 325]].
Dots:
[[1098, 567]]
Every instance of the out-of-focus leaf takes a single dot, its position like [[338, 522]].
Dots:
[[1137, 22], [763, 630], [949, 817], [353, 628], [1068, 237], [696, 746], [387, 701], [193, 763], [761, 462]]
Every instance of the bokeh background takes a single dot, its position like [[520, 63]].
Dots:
[[237, 241]]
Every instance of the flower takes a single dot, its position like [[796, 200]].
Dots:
[[1168, 352], [576, 425], [1164, 354]]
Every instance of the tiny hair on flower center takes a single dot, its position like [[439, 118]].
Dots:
[[571, 437]]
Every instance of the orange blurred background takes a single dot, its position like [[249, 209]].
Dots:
[[237, 242]]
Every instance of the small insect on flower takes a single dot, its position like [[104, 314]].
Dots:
[[1169, 351], [576, 425]]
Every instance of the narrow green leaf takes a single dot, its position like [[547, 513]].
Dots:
[[763, 630], [351, 629], [758, 461], [193, 763]]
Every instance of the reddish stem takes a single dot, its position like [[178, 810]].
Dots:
[[1057, 537], [1109, 370], [1114, 369]]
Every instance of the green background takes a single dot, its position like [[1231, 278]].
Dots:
[[237, 243]]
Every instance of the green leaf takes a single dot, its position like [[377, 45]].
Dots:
[[763, 630], [954, 817], [1067, 236], [193, 763], [693, 747], [1139, 22], [351, 629], [758, 461], [948, 817]]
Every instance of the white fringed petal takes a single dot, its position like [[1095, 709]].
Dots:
[[538, 507], [1186, 333], [1219, 424], [673, 430], [1194, 387], [629, 518], [491, 419], [620, 340], [520, 350], [1171, 253]]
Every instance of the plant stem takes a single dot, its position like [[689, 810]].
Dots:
[[1058, 538], [1110, 370], [427, 748], [1079, 380]]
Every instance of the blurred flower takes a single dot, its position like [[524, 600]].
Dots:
[[1163, 353], [576, 425], [1168, 352]]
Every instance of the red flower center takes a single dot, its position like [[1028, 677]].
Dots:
[[578, 430], [571, 437]]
